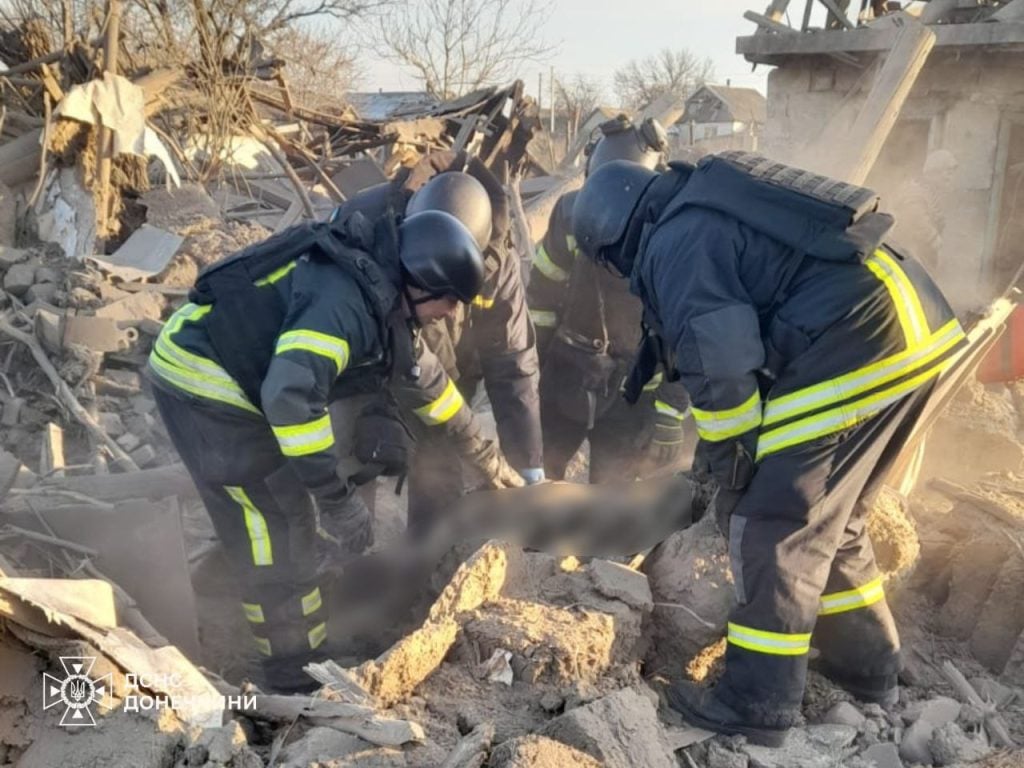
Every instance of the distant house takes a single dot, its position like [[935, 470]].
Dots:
[[384, 105], [716, 111]]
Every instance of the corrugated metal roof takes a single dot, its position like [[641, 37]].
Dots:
[[383, 105]]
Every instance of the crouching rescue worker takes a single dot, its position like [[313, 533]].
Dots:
[[243, 377], [808, 347], [588, 327], [488, 339]]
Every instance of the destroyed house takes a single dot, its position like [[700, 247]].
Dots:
[[721, 110], [967, 98]]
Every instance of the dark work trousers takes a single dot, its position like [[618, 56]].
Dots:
[[266, 520], [802, 562], [619, 440]]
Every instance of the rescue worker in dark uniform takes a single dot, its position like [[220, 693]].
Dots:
[[489, 339], [808, 347], [244, 373], [588, 327]]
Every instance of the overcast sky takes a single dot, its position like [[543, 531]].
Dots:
[[597, 42]]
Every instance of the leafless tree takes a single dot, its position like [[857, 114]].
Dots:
[[577, 98], [457, 46], [678, 72]]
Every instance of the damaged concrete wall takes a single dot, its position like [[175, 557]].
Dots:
[[960, 103]]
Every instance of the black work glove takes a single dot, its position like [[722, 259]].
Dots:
[[345, 521], [732, 479], [667, 445]]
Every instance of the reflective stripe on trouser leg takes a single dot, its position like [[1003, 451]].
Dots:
[[801, 525]]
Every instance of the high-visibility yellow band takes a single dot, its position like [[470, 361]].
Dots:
[[570, 242], [774, 643], [312, 602], [277, 274], [843, 417], [317, 635], [863, 379], [653, 384], [256, 525], [190, 372], [254, 612], [547, 267], [443, 408], [483, 302], [303, 439], [852, 599], [263, 646], [544, 318], [721, 425], [667, 410], [903, 294], [334, 348]]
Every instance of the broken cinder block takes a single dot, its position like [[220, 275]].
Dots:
[[144, 456], [19, 278]]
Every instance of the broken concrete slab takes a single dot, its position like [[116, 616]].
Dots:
[[721, 757], [535, 751], [135, 308], [10, 256], [19, 278], [951, 746], [885, 755], [844, 713], [42, 292], [100, 334], [621, 583], [816, 746], [620, 730], [146, 253], [320, 745], [915, 745]]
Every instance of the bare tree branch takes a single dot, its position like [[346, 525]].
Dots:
[[678, 72], [457, 46]]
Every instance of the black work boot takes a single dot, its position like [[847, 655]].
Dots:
[[702, 708], [883, 690]]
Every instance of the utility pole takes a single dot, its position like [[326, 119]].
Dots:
[[540, 90], [105, 139], [551, 97]]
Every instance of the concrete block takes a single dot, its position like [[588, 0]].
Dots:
[[882, 756], [144, 456], [19, 278], [622, 583], [100, 334], [134, 308], [951, 746], [112, 424], [12, 412], [10, 256], [128, 442], [44, 292], [143, 404], [621, 731], [47, 275], [844, 713], [915, 746], [224, 743]]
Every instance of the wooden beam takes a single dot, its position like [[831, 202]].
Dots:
[[851, 156], [51, 456], [837, 13], [777, 10]]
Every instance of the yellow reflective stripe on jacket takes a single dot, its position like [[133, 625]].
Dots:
[[852, 599], [190, 372], [263, 646], [842, 417], [721, 425], [317, 635], [547, 267], [774, 643], [544, 318], [667, 410], [333, 348], [303, 439], [483, 302], [312, 602], [904, 296], [653, 384], [255, 525], [863, 379], [443, 408], [254, 612], [277, 274]]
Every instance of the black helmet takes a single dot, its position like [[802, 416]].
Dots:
[[619, 139], [440, 256], [460, 195], [606, 203]]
